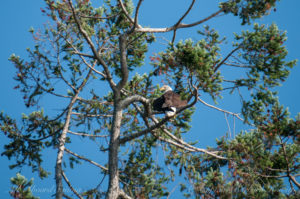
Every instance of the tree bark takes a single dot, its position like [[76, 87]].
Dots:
[[60, 153], [113, 185]]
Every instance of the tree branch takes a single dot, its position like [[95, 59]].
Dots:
[[86, 134], [136, 15], [123, 62], [125, 11], [219, 109], [82, 55], [185, 145], [124, 195], [179, 26], [61, 148], [180, 20], [86, 159], [227, 57], [62, 140], [71, 187], [134, 98], [157, 125], [90, 43]]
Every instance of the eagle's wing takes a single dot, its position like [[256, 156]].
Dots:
[[168, 99], [158, 103], [177, 101], [173, 99]]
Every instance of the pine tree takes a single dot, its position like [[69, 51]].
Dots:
[[21, 188], [87, 58]]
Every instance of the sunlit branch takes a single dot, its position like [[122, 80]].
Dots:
[[124, 195], [236, 65], [61, 148], [179, 26], [190, 149], [134, 98]]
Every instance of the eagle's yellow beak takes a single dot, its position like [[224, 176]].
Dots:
[[163, 88]]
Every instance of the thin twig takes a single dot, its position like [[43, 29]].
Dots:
[[86, 134], [227, 57], [219, 109], [86, 159]]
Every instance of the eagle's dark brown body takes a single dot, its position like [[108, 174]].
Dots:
[[168, 100]]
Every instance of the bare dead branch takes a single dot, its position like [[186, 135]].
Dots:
[[62, 140], [70, 185], [180, 20], [136, 14], [219, 109]]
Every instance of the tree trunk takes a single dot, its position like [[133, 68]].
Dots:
[[61, 149], [113, 186]]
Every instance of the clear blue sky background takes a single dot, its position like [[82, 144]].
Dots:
[[17, 16]]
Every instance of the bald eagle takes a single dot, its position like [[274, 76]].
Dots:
[[168, 102]]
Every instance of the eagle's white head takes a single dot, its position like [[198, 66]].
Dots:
[[165, 88]]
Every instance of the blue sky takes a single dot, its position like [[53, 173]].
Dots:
[[18, 16]]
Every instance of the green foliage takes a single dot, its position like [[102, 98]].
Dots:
[[264, 52], [247, 10], [28, 141], [188, 61], [21, 188], [143, 177]]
